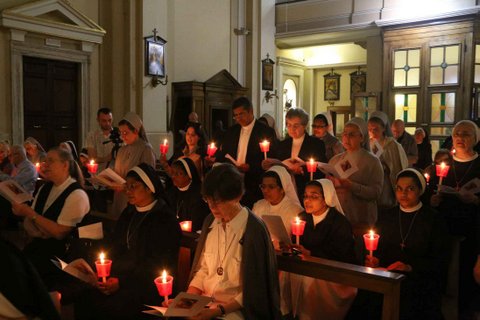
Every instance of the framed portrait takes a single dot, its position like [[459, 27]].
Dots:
[[155, 56], [267, 73], [358, 82], [332, 86]]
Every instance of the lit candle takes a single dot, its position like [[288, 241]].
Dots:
[[37, 167], [164, 147], [265, 147], [92, 167], [103, 267], [298, 226], [427, 177], [311, 167], [442, 171], [371, 241], [164, 285], [211, 149], [186, 225]]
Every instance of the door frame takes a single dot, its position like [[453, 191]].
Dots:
[[21, 49]]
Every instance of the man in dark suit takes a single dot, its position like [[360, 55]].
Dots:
[[241, 143], [298, 148]]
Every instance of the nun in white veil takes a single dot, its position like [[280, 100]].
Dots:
[[327, 235], [280, 196]]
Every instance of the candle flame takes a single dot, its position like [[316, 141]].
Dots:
[[92, 162], [37, 164], [371, 234], [297, 220], [164, 276], [311, 160], [102, 258], [165, 142], [442, 165], [265, 142], [212, 145]]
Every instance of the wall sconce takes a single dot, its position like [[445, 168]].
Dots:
[[156, 80], [269, 95]]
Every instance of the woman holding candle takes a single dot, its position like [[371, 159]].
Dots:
[[391, 154], [58, 207], [327, 234], [424, 148], [298, 145], [413, 240], [359, 192], [185, 194], [462, 208], [234, 262], [146, 239], [320, 129], [193, 147], [136, 150]]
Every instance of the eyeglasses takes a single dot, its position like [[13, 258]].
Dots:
[[350, 134], [294, 126], [314, 196], [124, 133], [131, 186], [315, 126], [267, 186]]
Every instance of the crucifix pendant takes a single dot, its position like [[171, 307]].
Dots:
[[220, 271], [402, 245]]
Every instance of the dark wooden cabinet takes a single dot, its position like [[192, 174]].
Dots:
[[211, 100]]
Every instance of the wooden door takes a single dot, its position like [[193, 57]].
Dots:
[[51, 106]]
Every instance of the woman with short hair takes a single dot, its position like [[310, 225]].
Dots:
[[234, 262], [321, 130]]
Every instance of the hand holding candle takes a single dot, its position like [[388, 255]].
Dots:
[[186, 226], [298, 226], [211, 149], [164, 147], [442, 171], [92, 167], [103, 267], [311, 167], [265, 147], [371, 241], [164, 285]]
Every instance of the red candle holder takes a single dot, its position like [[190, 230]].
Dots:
[[92, 167], [211, 149], [37, 167], [311, 167], [442, 171], [164, 285], [186, 226], [103, 267], [371, 241], [298, 227], [265, 147], [164, 147]]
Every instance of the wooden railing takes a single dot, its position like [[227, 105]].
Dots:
[[387, 283]]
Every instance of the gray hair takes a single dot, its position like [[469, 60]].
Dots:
[[298, 113]]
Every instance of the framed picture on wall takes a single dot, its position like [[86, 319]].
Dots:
[[267, 73], [358, 82], [155, 56], [332, 86]]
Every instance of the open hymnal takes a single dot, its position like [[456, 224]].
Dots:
[[277, 229], [78, 268], [108, 178], [473, 187], [13, 192], [328, 169], [291, 163], [184, 305]]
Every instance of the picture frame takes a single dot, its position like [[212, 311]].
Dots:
[[331, 86], [358, 82], [267, 73], [155, 56]]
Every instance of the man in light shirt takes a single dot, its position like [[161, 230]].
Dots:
[[406, 140], [96, 146], [240, 146]]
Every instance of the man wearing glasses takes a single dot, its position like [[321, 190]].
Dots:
[[240, 146]]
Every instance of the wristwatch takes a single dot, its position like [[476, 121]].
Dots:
[[222, 310]]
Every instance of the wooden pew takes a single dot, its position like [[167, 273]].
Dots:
[[387, 283]]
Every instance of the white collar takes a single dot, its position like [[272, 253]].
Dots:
[[147, 207], [475, 156], [414, 209], [186, 187]]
